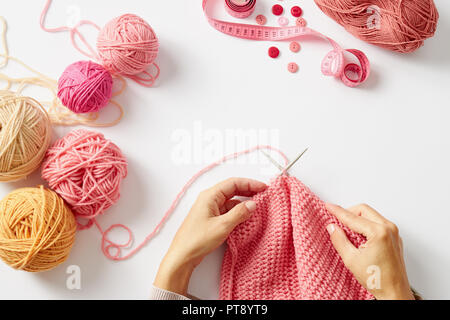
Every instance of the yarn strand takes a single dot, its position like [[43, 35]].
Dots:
[[73, 32], [108, 245]]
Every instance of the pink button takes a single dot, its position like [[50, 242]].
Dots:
[[294, 46], [261, 19], [292, 67], [283, 21], [301, 22]]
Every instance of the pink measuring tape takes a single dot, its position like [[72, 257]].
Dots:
[[240, 8], [334, 63]]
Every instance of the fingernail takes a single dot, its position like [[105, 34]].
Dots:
[[330, 228], [251, 205]]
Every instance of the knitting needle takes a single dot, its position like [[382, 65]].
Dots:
[[275, 163], [289, 166], [283, 170]]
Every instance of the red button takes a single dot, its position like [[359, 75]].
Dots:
[[274, 52], [296, 11], [277, 9]]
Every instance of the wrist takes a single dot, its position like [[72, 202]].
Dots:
[[174, 275], [396, 294]]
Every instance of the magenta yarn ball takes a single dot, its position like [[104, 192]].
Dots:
[[85, 86], [127, 45]]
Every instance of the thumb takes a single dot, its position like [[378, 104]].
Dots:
[[343, 246], [240, 213]]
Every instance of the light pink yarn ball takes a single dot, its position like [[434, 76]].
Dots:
[[85, 87], [127, 45], [86, 170]]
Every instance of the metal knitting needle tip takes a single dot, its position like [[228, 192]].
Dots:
[[285, 170], [275, 163]]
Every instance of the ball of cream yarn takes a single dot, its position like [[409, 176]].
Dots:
[[25, 133], [37, 229]]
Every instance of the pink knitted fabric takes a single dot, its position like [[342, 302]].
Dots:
[[284, 251]]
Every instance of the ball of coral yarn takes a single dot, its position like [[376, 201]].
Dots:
[[127, 45], [37, 229], [86, 170], [85, 87], [25, 134], [397, 25]]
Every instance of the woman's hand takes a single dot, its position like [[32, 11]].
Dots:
[[213, 217], [378, 265]]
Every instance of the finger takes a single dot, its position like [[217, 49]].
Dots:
[[354, 222], [368, 212], [230, 204], [346, 250], [227, 189], [240, 213]]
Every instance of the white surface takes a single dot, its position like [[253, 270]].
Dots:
[[386, 143]]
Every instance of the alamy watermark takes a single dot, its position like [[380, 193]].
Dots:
[[374, 279], [201, 145], [73, 281], [73, 15], [374, 20]]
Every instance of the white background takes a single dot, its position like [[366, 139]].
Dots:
[[385, 143]]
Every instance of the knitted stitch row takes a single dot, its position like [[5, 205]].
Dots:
[[284, 251]]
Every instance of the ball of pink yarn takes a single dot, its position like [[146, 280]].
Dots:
[[85, 87], [397, 25], [127, 45], [86, 170]]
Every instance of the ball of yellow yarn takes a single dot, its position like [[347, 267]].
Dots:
[[25, 134], [37, 229]]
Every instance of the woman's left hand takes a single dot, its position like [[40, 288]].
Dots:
[[213, 217]]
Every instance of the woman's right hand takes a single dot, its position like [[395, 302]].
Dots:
[[378, 265]]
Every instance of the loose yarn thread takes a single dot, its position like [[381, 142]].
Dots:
[[25, 134], [86, 170], [397, 25], [37, 229], [57, 112], [108, 245]]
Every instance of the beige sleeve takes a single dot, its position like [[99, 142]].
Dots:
[[161, 294]]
